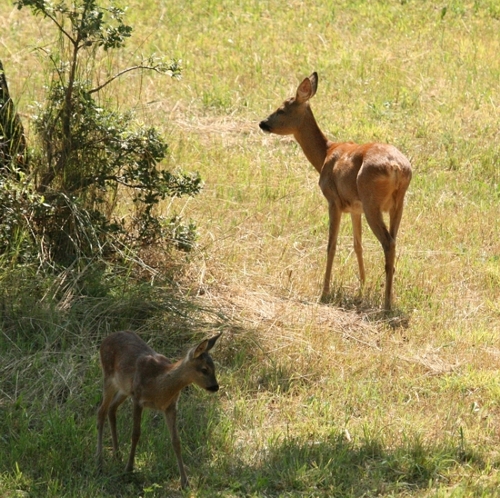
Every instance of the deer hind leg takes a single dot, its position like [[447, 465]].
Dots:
[[117, 401], [170, 417], [108, 395], [333, 232], [395, 215], [376, 222], [358, 248], [136, 434]]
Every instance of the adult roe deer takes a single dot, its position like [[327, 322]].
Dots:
[[371, 178], [131, 368]]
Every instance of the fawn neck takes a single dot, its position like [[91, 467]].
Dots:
[[177, 377], [166, 386], [312, 140]]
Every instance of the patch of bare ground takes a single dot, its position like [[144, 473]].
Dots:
[[354, 340], [281, 319]]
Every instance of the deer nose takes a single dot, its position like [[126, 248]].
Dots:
[[213, 388], [264, 126]]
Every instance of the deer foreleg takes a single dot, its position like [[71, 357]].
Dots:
[[171, 417], [333, 232]]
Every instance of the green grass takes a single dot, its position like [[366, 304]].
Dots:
[[317, 400]]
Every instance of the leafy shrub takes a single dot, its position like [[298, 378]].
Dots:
[[90, 157], [20, 205]]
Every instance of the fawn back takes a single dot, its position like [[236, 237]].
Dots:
[[132, 368]]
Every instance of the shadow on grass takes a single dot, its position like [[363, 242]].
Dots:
[[52, 453], [337, 468], [369, 304], [51, 386]]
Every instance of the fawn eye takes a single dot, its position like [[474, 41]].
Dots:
[[204, 370]]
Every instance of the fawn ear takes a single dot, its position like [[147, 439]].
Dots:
[[307, 88], [198, 350], [204, 346], [212, 341]]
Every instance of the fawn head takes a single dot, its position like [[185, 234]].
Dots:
[[203, 368], [289, 115]]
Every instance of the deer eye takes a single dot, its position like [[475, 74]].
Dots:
[[204, 370]]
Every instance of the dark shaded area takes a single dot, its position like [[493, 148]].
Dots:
[[334, 467], [12, 138]]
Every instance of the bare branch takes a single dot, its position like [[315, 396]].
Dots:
[[60, 27], [121, 73]]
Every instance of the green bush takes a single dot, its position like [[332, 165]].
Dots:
[[88, 156]]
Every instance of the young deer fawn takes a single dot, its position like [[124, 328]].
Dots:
[[356, 179], [131, 368]]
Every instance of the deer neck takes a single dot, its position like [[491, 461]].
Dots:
[[312, 140], [173, 380]]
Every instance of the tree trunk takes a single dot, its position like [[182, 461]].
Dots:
[[12, 138]]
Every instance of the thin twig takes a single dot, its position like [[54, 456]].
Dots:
[[121, 73]]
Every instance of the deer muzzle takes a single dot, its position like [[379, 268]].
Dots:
[[264, 126]]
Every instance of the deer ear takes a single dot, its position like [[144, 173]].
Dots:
[[307, 88], [314, 83], [212, 341], [198, 350], [203, 347]]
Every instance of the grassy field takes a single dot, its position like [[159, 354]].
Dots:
[[333, 400]]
